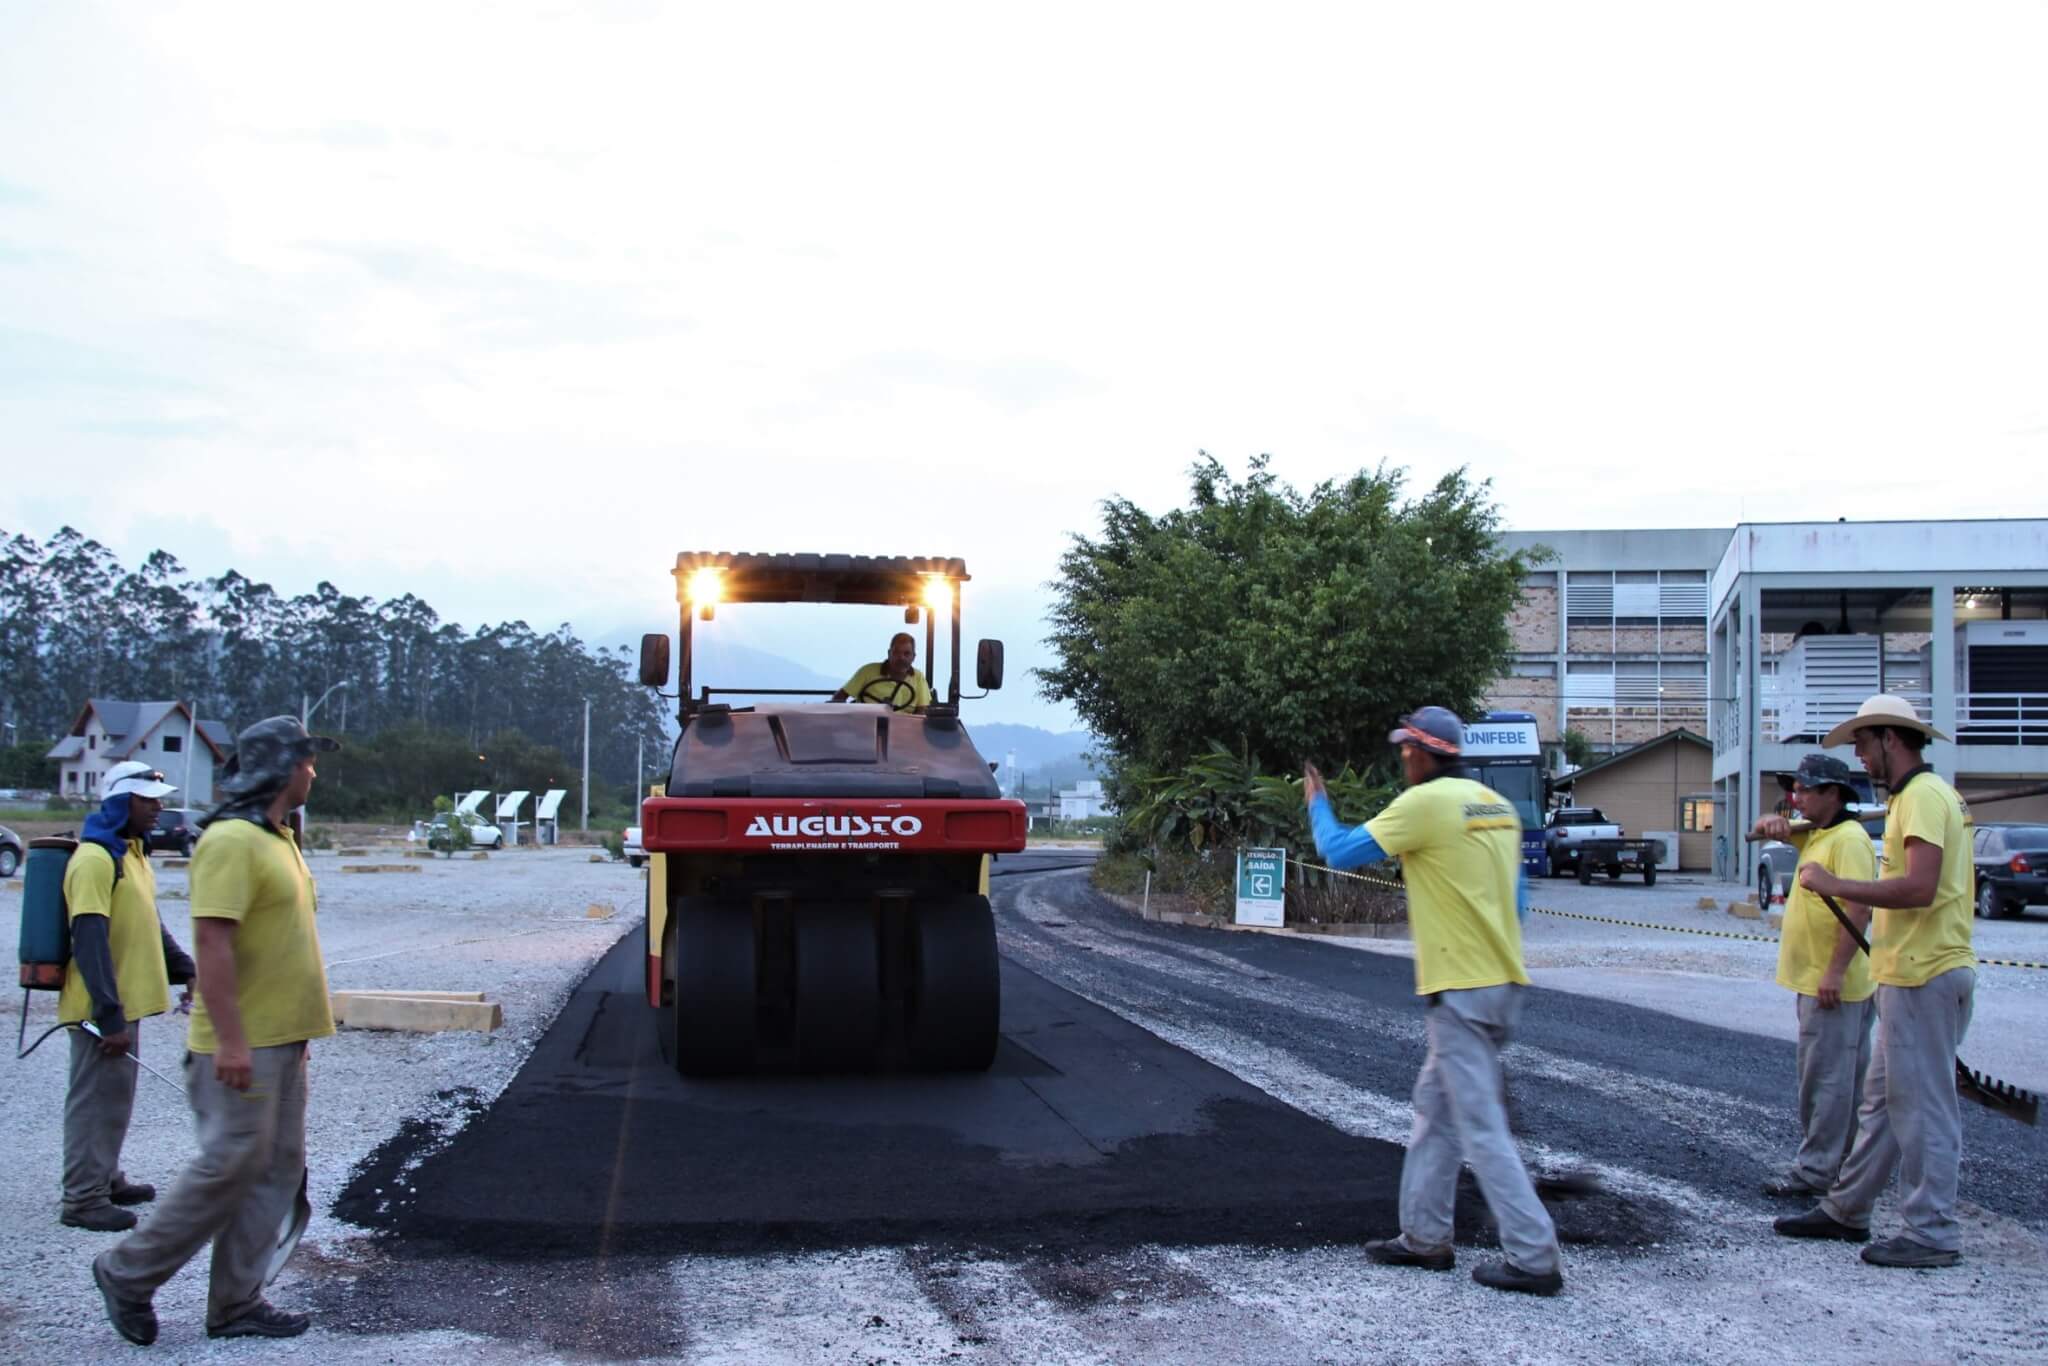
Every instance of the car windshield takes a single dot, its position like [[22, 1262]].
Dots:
[[2028, 837]]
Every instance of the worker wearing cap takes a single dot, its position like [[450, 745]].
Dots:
[[894, 682], [1926, 984], [262, 997], [1460, 846], [1819, 961], [123, 963]]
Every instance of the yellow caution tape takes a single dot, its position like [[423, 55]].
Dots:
[[1393, 884], [1646, 925]]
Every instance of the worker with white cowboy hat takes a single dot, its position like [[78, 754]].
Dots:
[[1460, 846], [1926, 976], [123, 962]]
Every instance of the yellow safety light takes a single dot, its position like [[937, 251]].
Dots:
[[706, 587], [938, 593]]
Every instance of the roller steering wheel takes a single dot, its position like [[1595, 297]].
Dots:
[[898, 687]]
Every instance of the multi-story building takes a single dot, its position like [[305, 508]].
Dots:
[[1610, 637], [1810, 618]]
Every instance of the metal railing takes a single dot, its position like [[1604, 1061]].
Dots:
[[2008, 718]]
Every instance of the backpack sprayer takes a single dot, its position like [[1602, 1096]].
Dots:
[[45, 949]]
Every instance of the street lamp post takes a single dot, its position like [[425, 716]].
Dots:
[[307, 712], [586, 765]]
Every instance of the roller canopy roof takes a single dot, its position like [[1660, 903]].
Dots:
[[884, 579]]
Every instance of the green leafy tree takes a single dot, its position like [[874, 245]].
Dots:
[[1279, 625]]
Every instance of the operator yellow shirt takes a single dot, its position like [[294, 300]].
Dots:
[[1807, 943], [135, 938], [1460, 846], [1911, 948], [257, 878], [886, 692]]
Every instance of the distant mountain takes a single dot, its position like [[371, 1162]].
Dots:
[[1036, 748]]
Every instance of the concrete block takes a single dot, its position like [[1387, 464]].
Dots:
[[1708, 903], [420, 1014], [421, 853], [177, 863], [380, 868], [597, 911], [599, 858], [481, 853], [350, 853], [1744, 910]]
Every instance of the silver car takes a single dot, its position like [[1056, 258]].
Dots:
[[12, 850]]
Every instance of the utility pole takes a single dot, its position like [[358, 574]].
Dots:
[[639, 770], [586, 765], [192, 743]]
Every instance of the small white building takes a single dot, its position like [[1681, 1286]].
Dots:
[[1083, 801], [162, 734]]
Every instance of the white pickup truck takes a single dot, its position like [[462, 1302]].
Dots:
[[1570, 826]]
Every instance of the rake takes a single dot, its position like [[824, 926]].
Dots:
[[2002, 1097]]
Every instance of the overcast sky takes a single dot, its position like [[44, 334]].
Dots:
[[506, 305]]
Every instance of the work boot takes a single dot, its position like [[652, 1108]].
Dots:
[[1818, 1223], [1396, 1252], [1904, 1251], [126, 1192], [1791, 1188], [266, 1320], [99, 1218], [1506, 1275], [134, 1320]]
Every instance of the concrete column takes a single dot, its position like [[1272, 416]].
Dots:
[[1942, 667]]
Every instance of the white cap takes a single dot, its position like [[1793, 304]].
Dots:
[[136, 779]]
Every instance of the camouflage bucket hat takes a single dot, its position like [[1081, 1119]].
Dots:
[[266, 753]]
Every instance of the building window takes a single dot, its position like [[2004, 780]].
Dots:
[[1534, 668], [92, 781], [142, 744], [173, 743], [1589, 599], [71, 780], [1696, 815], [92, 742]]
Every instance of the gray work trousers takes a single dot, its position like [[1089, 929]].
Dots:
[[1910, 1117], [1834, 1053], [1461, 1112], [236, 1192], [97, 1107]]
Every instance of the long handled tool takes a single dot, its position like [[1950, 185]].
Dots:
[[1992, 1094], [89, 1027], [2010, 794]]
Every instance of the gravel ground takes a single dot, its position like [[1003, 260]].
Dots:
[[1722, 1288]]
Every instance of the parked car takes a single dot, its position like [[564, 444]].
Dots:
[[482, 834], [635, 855], [2012, 868], [176, 829], [12, 848]]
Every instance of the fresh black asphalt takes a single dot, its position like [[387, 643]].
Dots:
[[1089, 1131]]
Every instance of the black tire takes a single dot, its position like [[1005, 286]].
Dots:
[[1585, 873], [634, 861], [9, 861], [838, 987], [1766, 885], [716, 985], [665, 1012], [1988, 907], [1614, 872], [955, 985], [1649, 875], [185, 847]]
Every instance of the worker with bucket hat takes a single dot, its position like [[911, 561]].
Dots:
[[1460, 846], [262, 997], [1820, 963], [1926, 979], [122, 966]]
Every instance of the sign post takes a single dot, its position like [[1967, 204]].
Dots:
[[1262, 887]]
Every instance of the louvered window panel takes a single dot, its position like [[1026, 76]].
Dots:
[[1590, 597], [1682, 599]]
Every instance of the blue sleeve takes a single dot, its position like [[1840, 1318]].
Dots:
[[1341, 847], [1522, 895]]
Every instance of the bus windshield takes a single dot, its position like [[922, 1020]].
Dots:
[[1521, 784]]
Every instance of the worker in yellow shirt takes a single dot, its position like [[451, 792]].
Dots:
[[262, 998], [894, 682], [1926, 974], [1820, 962], [123, 963], [1460, 846]]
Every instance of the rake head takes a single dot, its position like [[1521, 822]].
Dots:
[[1992, 1094]]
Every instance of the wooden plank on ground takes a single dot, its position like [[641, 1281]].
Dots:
[[419, 995], [416, 1014], [380, 868]]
